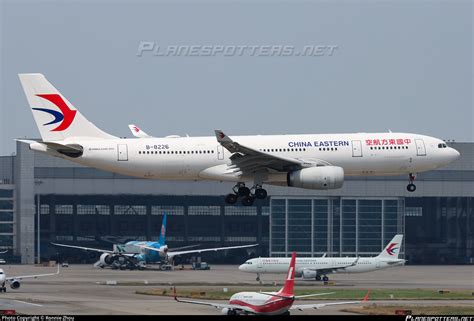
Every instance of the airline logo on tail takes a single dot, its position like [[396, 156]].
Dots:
[[391, 248], [163, 230], [65, 117]]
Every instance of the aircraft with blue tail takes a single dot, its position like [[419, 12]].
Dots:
[[136, 254]]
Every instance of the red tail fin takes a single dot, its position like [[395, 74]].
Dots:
[[290, 277]]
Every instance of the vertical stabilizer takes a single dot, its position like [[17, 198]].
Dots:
[[392, 250], [287, 289], [57, 119]]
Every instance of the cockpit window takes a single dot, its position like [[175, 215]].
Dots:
[[442, 145], [248, 262], [1, 272]]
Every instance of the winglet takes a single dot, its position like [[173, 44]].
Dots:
[[366, 297], [221, 137]]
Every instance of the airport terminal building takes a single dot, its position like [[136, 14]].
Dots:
[[88, 207]]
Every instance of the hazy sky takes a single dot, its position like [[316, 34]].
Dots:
[[404, 66]]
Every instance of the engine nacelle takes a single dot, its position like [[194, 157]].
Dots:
[[225, 311], [309, 274], [106, 259], [319, 177], [163, 250], [14, 284]]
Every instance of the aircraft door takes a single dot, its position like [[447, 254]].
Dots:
[[356, 148], [420, 147], [122, 152], [220, 152]]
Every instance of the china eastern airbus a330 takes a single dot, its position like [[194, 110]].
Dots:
[[317, 162]]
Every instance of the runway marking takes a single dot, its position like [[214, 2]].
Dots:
[[38, 305]]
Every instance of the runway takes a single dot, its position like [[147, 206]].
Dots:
[[83, 289]]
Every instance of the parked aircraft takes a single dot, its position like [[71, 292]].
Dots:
[[15, 280], [305, 161], [147, 252], [268, 303], [318, 268]]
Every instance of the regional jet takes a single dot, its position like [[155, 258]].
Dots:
[[319, 162], [269, 303], [318, 268], [15, 280]]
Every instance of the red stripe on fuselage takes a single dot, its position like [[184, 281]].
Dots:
[[272, 306]]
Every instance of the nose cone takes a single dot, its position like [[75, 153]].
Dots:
[[242, 267], [453, 154]]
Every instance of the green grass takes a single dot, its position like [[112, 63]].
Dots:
[[416, 310], [339, 294]]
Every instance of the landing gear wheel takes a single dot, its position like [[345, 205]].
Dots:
[[243, 191], [258, 278], [325, 278], [231, 198], [286, 313], [318, 277], [260, 193], [411, 187], [248, 200]]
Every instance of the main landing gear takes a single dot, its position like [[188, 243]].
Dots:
[[240, 190], [411, 187], [324, 278], [3, 288]]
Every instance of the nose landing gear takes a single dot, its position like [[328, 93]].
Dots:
[[411, 187], [240, 190]]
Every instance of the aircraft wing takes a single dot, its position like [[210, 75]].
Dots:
[[246, 159], [84, 248], [316, 306], [175, 253], [21, 277], [336, 268], [171, 254], [215, 305]]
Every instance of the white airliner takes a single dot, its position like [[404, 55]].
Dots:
[[269, 303], [305, 161], [314, 268], [15, 280]]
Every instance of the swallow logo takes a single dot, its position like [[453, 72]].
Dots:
[[65, 117], [136, 129], [391, 248]]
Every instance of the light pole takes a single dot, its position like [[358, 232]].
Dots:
[[38, 213]]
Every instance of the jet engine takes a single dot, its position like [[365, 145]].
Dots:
[[309, 274], [225, 311], [228, 311], [106, 259], [164, 249], [319, 177], [14, 284]]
